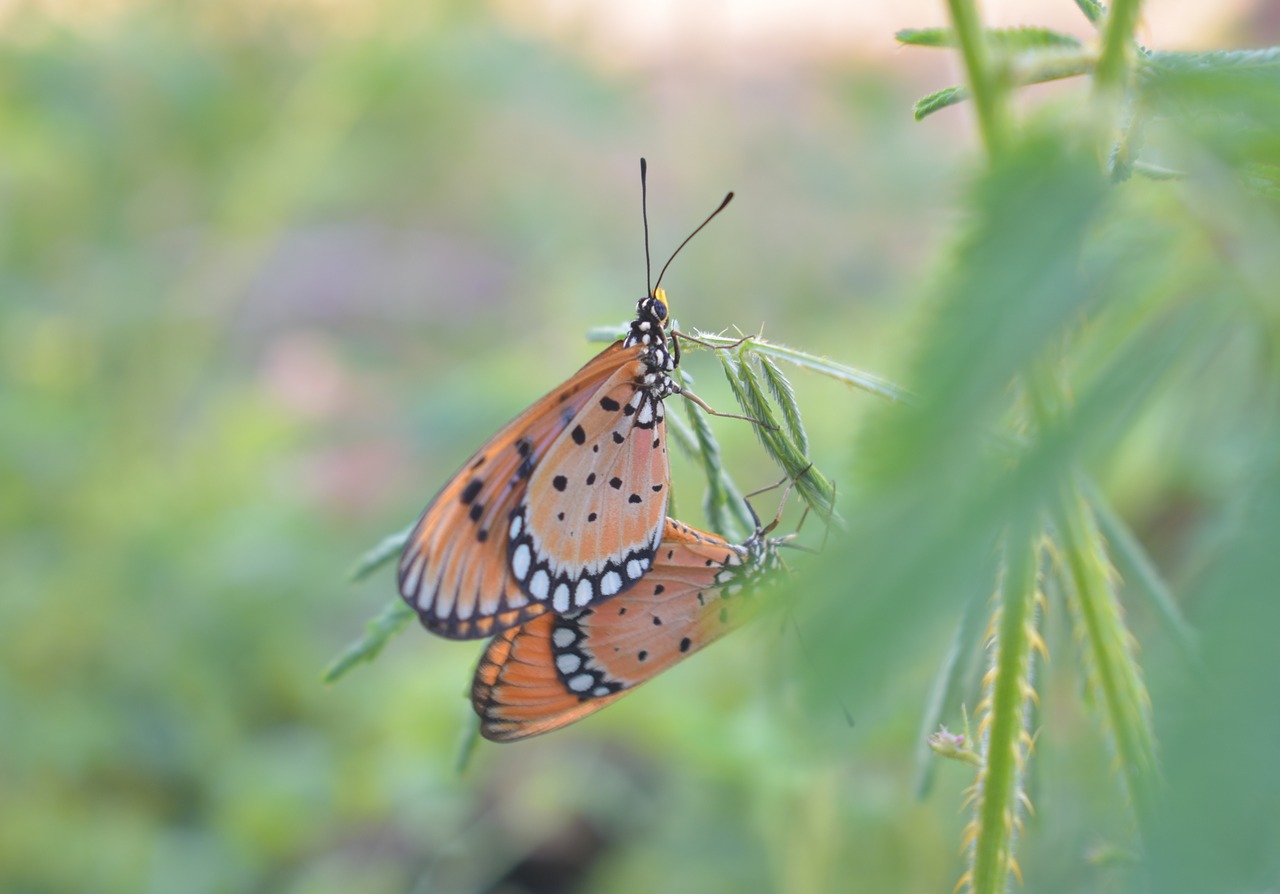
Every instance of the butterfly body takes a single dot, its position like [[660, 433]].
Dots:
[[556, 669], [563, 507]]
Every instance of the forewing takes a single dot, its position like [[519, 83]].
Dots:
[[593, 515], [454, 569], [559, 668]]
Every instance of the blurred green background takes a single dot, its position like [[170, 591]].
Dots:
[[271, 271]]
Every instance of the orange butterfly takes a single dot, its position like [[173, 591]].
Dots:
[[565, 505], [556, 669]]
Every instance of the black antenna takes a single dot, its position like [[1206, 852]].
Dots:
[[727, 200], [644, 213]]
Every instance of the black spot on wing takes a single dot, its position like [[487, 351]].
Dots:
[[579, 435], [685, 644], [560, 483], [635, 498], [608, 403], [591, 479], [471, 491], [615, 483], [477, 510]]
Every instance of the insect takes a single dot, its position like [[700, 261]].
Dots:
[[556, 669], [565, 505]]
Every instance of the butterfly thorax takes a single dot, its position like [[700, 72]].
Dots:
[[761, 559], [649, 329]]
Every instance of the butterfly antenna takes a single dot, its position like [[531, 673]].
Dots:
[[723, 205], [644, 214]]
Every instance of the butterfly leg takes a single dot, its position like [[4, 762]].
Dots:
[[677, 335], [689, 395]]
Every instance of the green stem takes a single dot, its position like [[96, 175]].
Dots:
[[1000, 794], [1117, 43], [984, 84]]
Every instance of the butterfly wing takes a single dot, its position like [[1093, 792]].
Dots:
[[556, 669], [454, 570], [593, 515]]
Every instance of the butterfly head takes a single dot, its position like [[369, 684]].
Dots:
[[649, 328]]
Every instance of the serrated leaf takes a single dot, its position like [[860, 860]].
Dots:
[[936, 102], [926, 37], [785, 396], [374, 558], [378, 632], [1093, 10]]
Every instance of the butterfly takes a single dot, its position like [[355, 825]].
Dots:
[[565, 505], [556, 669]]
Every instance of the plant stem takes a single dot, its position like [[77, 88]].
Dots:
[[999, 785], [1117, 42], [984, 86]]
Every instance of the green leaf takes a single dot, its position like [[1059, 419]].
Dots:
[[926, 37], [1093, 10], [811, 484], [938, 100], [1137, 569], [386, 549], [841, 372], [785, 396], [378, 632], [1112, 669], [1018, 39]]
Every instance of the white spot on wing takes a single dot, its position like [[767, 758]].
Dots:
[[540, 585], [635, 568], [568, 662], [517, 524], [645, 416], [563, 637], [583, 594], [600, 691], [520, 560], [560, 601], [610, 583], [581, 683]]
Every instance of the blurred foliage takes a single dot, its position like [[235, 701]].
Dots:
[[270, 272]]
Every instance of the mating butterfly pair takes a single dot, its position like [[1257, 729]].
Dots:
[[554, 537]]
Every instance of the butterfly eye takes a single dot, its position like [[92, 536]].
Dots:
[[659, 303]]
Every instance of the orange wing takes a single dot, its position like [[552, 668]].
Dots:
[[592, 517], [556, 669], [454, 570]]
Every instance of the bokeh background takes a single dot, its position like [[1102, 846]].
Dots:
[[270, 271]]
